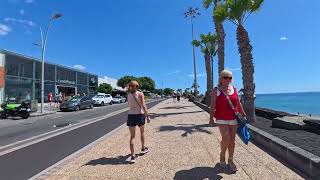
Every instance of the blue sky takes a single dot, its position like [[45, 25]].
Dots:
[[152, 38]]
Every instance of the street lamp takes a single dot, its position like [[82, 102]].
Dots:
[[193, 13], [43, 49]]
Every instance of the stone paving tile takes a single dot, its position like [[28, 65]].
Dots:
[[182, 146]]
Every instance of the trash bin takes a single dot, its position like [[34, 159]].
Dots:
[[34, 105]]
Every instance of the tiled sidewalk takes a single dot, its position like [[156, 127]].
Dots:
[[182, 146]]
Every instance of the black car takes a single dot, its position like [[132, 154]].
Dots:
[[77, 103]]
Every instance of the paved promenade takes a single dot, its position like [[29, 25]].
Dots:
[[182, 146]]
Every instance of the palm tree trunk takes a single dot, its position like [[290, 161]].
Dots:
[[209, 78], [245, 50], [221, 37]]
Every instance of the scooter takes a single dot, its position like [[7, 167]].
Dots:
[[13, 109]]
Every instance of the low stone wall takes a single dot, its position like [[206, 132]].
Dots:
[[271, 114], [304, 161]]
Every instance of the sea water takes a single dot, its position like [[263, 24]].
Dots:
[[303, 103]]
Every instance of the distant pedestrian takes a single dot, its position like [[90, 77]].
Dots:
[[50, 98], [174, 96], [58, 99], [225, 117], [137, 115], [178, 96]]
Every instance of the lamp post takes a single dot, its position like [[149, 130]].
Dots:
[[43, 50], [193, 13]]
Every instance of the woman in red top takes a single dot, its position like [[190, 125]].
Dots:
[[224, 116]]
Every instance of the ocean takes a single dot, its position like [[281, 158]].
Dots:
[[303, 102]]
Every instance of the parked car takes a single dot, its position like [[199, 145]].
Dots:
[[103, 99], [77, 103], [119, 99]]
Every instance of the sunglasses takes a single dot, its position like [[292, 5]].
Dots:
[[227, 78]]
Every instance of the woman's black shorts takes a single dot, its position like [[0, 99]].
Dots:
[[136, 119]]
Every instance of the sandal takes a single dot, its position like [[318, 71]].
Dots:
[[232, 166]]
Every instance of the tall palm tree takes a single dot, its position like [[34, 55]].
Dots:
[[208, 45], [220, 32], [237, 12]]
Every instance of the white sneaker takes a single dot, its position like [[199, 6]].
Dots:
[[133, 159], [144, 150]]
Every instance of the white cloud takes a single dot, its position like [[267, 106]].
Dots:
[[283, 38], [4, 29], [198, 75], [174, 72], [80, 67], [234, 69], [22, 21], [29, 1], [21, 12]]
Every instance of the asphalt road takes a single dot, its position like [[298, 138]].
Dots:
[[28, 161], [16, 130]]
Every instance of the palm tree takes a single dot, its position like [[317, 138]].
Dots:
[[220, 32], [208, 44], [237, 12]]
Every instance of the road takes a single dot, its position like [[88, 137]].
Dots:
[[30, 160]]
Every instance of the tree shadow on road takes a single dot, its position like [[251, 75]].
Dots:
[[202, 173], [120, 160], [155, 115], [188, 129]]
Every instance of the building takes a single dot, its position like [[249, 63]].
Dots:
[[20, 77]]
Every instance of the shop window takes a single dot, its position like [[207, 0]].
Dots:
[[17, 66], [82, 78]]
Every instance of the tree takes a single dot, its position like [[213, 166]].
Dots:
[[220, 32], [157, 91], [168, 91], [237, 12], [125, 80], [208, 44], [105, 88], [146, 83]]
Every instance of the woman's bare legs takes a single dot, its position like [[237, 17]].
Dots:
[[142, 137], [231, 147], [132, 130], [225, 139]]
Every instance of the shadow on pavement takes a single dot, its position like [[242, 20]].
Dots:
[[120, 160], [154, 115], [187, 128], [177, 107], [202, 173]]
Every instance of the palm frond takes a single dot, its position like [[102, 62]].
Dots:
[[207, 3], [196, 43], [221, 12]]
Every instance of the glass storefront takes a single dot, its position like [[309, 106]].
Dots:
[[23, 79], [19, 88]]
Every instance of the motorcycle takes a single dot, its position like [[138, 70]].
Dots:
[[13, 109]]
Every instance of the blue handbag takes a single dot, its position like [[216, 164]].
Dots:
[[242, 131]]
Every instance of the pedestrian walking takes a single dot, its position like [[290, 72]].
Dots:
[[178, 96], [174, 96], [224, 116], [50, 98], [137, 115]]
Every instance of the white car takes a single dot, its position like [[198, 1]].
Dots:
[[103, 99], [119, 99]]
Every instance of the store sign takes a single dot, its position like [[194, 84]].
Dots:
[[66, 81], [93, 80]]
